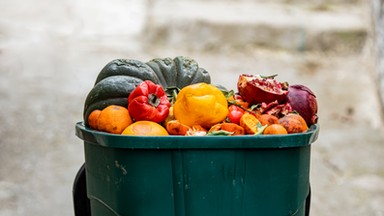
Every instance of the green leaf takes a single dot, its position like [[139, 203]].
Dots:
[[255, 106], [260, 128], [219, 133], [228, 94]]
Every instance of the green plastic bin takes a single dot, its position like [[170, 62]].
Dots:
[[197, 176]]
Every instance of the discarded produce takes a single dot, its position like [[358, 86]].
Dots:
[[174, 97], [200, 104], [148, 101]]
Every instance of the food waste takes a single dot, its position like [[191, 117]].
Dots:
[[175, 97]]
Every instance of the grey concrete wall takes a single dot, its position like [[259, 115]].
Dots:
[[378, 32]]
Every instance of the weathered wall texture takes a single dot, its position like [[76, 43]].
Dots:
[[378, 31]]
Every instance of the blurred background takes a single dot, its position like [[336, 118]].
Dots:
[[52, 51]]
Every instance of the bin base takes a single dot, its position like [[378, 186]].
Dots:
[[82, 203]]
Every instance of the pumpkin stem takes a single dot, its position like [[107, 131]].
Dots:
[[172, 93], [153, 100]]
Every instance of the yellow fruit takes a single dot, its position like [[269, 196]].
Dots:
[[145, 128], [200, 104]]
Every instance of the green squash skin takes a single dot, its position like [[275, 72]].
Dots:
[[164, 70], [112, 87], [120, 77], [179, 72], [189, 72], [111, 90], [128, 67]]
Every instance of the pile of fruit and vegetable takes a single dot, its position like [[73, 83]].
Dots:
[[168, 96]]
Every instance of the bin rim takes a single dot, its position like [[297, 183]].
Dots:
[[196, 142]]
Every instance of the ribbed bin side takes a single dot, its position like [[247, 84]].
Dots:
[[244, 182], [197, 182], [129, 182]]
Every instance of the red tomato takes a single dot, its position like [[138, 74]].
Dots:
[[235, 114]]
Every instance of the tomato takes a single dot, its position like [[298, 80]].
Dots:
[[235, 114]]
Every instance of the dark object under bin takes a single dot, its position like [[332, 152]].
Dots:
[[195, 176]]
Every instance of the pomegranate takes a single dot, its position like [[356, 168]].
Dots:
[[303, 101], [256, 89], [276, 109]]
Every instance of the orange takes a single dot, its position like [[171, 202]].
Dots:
[[233, 128], [294, 123], [266, 119], [196, 130], [114, 119], [175, 127], [250, 123], [145, 128], [275, 129], [93, 118]]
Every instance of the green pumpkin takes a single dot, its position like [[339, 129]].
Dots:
[[119, 77], [178, 72]]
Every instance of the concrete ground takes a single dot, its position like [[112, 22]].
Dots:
[[51, 53]]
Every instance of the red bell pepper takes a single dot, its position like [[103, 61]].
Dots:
[[148, 101]]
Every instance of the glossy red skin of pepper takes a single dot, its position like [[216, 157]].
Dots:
[[235, 114], [148, 101]]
